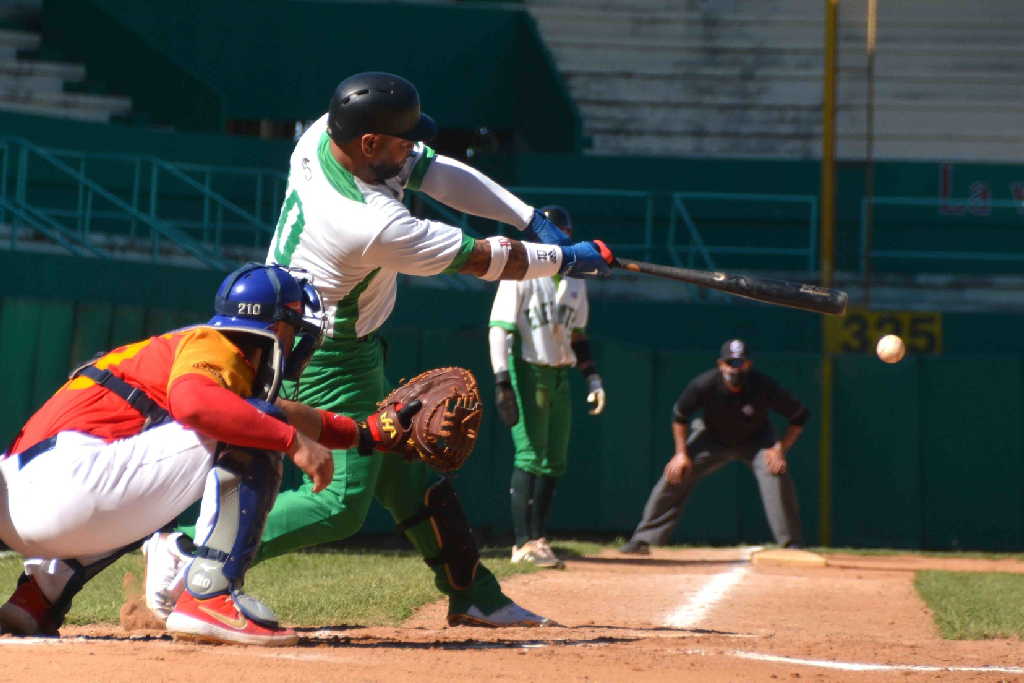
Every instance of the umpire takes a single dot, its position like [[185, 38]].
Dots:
[[735, 400]]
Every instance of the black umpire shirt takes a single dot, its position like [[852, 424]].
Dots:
[[732, 418]]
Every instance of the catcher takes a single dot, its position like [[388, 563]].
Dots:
[[137, 435], [343, 220]]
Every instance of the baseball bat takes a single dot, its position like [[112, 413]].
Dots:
[[779, 292]]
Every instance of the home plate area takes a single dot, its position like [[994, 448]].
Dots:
[[708, 614]]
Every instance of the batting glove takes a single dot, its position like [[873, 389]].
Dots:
[[542, 230], [596, 395], [587, 260]]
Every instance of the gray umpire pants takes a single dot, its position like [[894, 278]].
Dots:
[[778, 495]]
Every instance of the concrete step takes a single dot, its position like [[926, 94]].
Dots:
[[1001, 123], [19, 40], [973, 11], [26, 68], [9, 83], [662, 57], [643, 143], [786, 89], [772, 30], [78, 106]]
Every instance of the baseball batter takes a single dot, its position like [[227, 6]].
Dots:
[[139, 434], [537, 334], [343, 220]]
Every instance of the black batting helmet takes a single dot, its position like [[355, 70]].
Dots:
[[377, 102], [559, 215]]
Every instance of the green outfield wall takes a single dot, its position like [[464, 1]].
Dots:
[[927, 453]]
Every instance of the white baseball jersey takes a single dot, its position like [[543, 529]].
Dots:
[[543, 312], [355, 237]]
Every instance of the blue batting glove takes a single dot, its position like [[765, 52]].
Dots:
[[587, 260], [544, 231]]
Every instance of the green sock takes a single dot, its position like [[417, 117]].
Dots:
[[522, 494], [543, 492], [484, 592]]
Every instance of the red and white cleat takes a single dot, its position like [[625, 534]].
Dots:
[[27, 612], [219, 620]]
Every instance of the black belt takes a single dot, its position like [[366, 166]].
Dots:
[[25, 457]]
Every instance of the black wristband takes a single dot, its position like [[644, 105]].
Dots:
[[502, 378], [366, 442], [584, 362]]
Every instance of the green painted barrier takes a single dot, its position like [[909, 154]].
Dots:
[[927, 453]]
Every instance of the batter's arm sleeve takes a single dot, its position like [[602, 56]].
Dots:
[[468, 190], [687, 404], [787, 405], [499, 341]]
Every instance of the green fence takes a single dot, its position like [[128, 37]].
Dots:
[[927, 453]]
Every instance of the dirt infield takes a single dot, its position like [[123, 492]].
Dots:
[[694, 614]]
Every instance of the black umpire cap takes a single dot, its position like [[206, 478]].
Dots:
[[734, 348]]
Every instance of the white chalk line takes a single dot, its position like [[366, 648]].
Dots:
[[859, 666], [710, 594]]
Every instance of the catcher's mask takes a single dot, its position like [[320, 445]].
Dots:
[[253, 299]]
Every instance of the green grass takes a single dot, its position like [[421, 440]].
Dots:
[[364, 587], [324, 588], [974, 605]]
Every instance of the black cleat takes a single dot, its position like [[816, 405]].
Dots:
[[636, 548]]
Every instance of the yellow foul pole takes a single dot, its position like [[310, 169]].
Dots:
[[827, 258]]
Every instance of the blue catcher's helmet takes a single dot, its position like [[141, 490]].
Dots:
[[256, 297]]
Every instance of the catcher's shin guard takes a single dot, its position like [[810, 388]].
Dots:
[[459, 556], [240, 490]]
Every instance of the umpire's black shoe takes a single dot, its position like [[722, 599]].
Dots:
[[636, 548]]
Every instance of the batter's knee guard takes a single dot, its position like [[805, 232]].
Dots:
[[459, 556], [240, 490]]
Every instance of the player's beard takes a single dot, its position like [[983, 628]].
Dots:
[[383, 170], [734, 379]]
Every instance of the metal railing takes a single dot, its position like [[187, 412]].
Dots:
[[626, 217], [697, 245], [142, 207], [942, 222], [108, 205]]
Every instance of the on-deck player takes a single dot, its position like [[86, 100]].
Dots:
[[343, 220], [136, 436], [537, 332]]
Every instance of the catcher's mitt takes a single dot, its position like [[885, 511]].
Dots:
[[443, 432]]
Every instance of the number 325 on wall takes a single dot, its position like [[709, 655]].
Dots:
[[859, 330]]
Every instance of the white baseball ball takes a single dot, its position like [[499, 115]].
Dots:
[[891, 348]]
